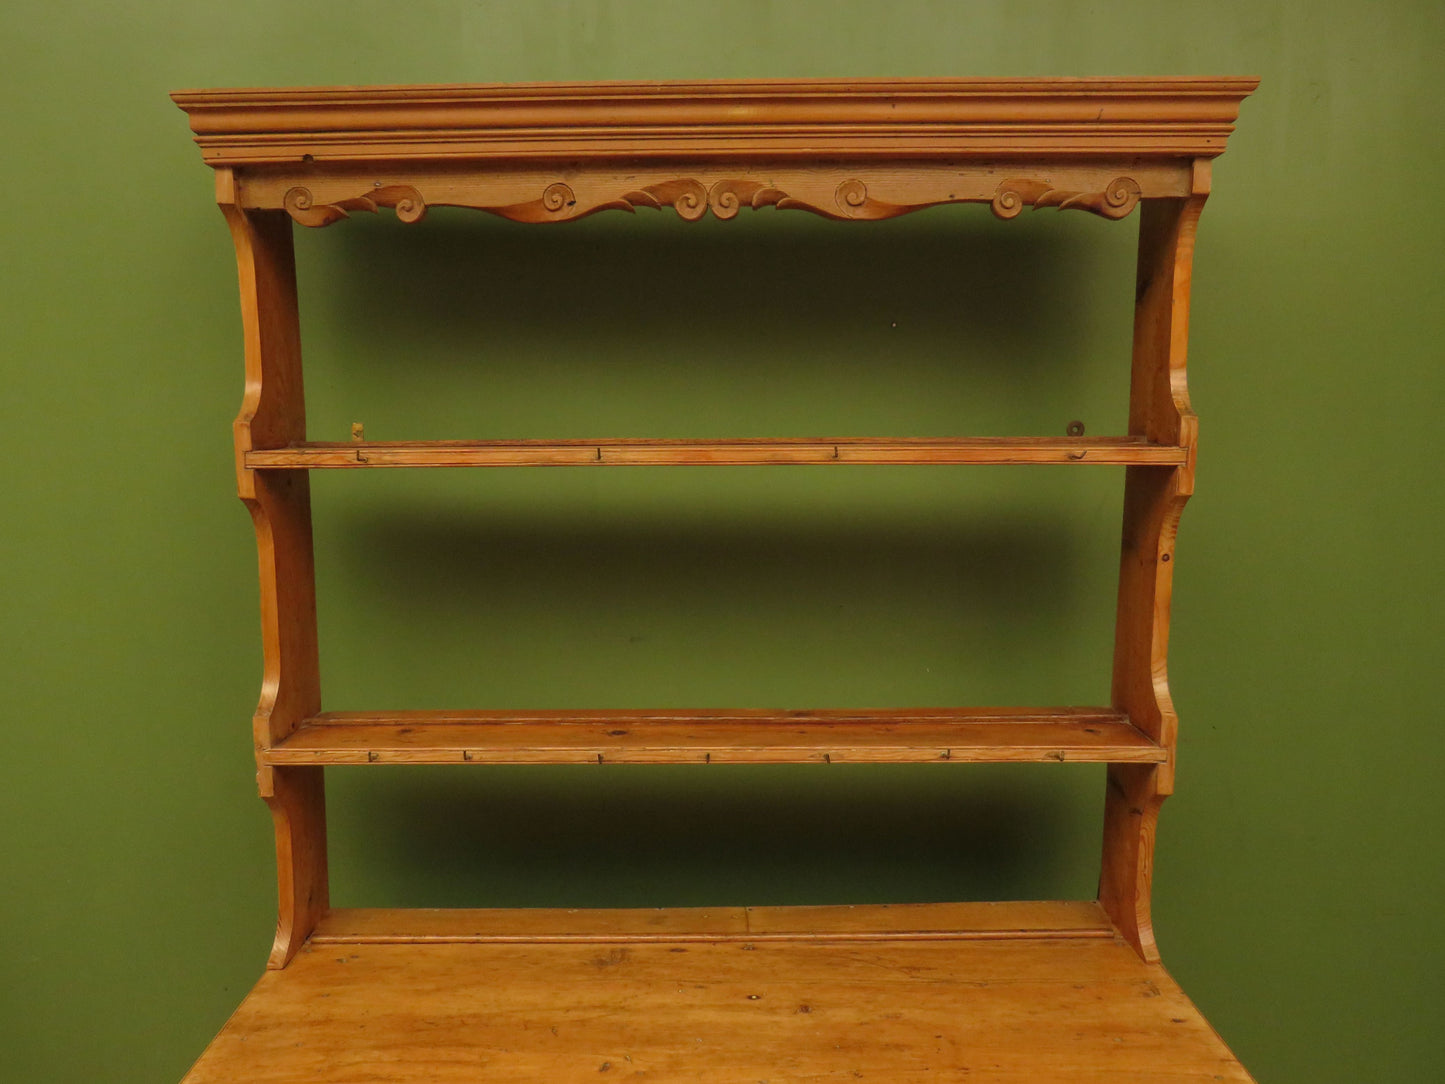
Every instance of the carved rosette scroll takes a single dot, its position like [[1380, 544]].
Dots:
[[692, 200], [403, 198], [1115, 201]]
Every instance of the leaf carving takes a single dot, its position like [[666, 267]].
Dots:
[[688, 197], [727, 197], [692, 200], [406, 200], [1115, 201]]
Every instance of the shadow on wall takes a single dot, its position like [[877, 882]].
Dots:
[[784, 587], [776, 323], [462, 607], [634, 836]]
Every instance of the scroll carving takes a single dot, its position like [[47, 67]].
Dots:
[[1115, 201], [403, 198], [688, 198], [725, 198], [692, 200], [854, 202]]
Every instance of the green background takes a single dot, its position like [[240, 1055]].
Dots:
[[1298, 870]]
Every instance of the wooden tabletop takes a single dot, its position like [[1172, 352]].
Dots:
[[720, 996]]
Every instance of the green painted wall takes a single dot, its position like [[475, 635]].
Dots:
[[1298, 869]]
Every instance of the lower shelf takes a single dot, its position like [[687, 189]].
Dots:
[[1043, 993]]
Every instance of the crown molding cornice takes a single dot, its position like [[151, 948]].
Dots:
[[717, 123]]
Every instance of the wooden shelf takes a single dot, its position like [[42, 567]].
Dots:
[[1042, 993], [922, 735], [1011, 993], [1115, 451]]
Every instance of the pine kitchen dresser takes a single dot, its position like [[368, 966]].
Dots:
[[1012, 993]]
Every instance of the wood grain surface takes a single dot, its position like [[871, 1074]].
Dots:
[[1159, 410], [273, 410], [1028, 993], [1103, 451], [1022, 1010], [718, 736], [902, 921], [807, 120]]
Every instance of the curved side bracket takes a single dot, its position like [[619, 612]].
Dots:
[[1154, 499], [273, 415], [298, 812]]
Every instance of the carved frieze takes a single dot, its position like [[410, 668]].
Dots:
[[692, 199]]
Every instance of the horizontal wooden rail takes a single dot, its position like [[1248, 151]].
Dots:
[[1116, 451], [974, 921], [718, 736]]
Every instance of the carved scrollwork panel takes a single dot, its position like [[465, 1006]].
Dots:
[[688, 197], [556, 204], [403, 198], [726, 198], [1115, 201], [692, 199], [854, 202]]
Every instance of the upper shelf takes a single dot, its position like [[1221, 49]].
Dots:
[[857, 149], [1114, 451]]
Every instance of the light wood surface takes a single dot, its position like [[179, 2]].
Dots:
[[1159, 410], [806, 120], [1039, 1009], [297, 800], [273, 410], [1007, 993], [906, 921], [560, 152], [1103, 451], [718, 736], [1110, 187]]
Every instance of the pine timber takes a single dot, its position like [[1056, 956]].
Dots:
[[273, 409], [1033, 991], [538, 925], [906, 999], [1103, 451], [719, 736], [1154, 121], [1159, 409]]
